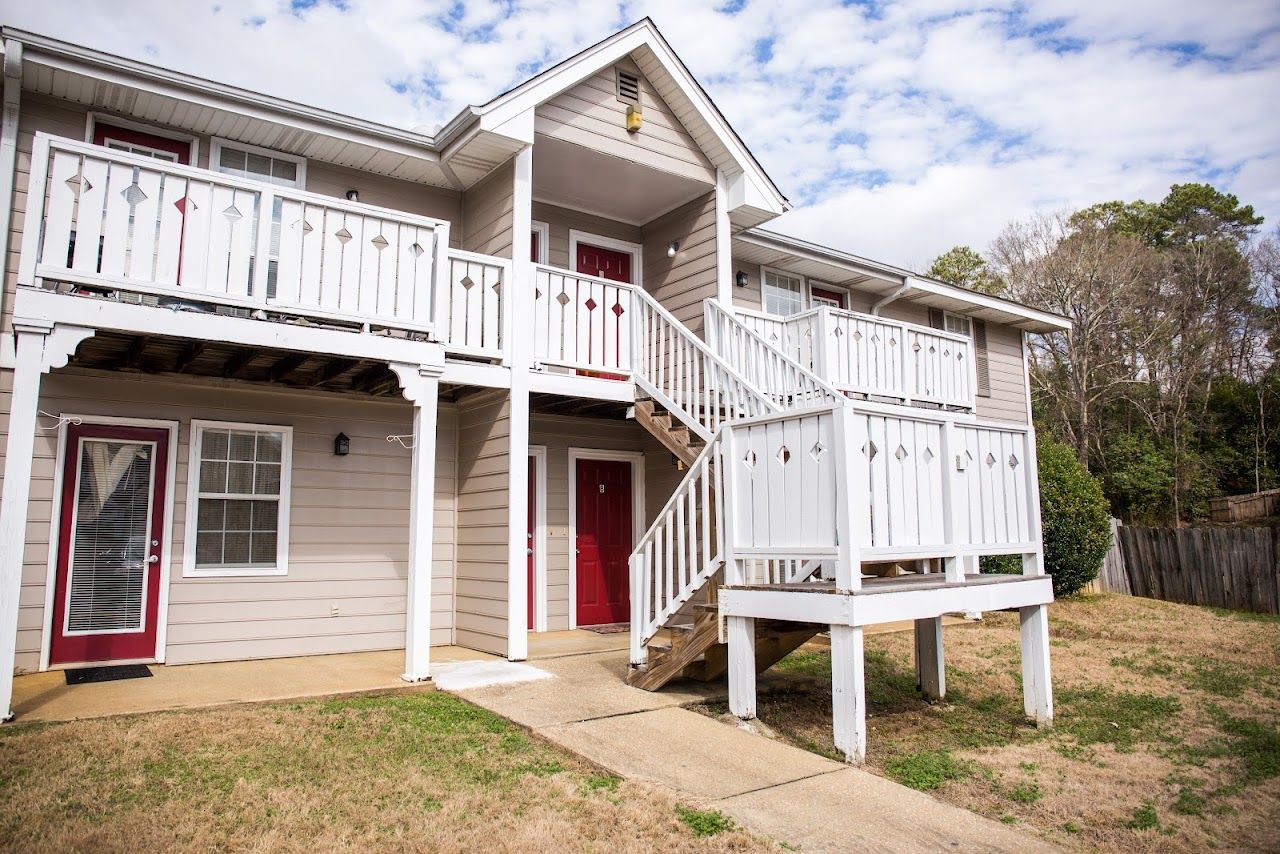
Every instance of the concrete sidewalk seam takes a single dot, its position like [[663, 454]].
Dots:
[[776, 785]]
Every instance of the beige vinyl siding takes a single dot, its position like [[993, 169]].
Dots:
[[487, 213], [560, 433], [348, 522], [560, 221], [63, 118], [590, 114], [484, 428], [683, 282]]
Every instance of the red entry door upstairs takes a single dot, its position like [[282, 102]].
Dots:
[[606, 263], [604, 541]]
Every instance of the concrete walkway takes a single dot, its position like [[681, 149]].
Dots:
[[776, 790]]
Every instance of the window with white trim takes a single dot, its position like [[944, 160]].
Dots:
[[238, 496], [958, 324], [263, 164], [782, 294]]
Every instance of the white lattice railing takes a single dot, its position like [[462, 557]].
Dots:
[[874, 356], [474, 304]]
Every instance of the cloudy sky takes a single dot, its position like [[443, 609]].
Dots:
[[897, 130]]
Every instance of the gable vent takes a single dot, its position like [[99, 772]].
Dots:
[[628, 87]]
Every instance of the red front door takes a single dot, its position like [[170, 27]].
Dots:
[[141, 142], [605, 541], [605, 263], [532, 543], [822, 296], [107, 585]]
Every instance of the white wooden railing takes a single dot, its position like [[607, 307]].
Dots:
[[874, 356], [784, 380], [119, 221]]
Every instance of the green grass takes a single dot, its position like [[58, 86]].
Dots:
[[928, 769], [1217, 678], [1025, 793], [1144, 817], [1100, 715], [1253, 744], [704, 822]]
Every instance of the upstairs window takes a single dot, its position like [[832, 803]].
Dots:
[[262, 164], [781, 293]]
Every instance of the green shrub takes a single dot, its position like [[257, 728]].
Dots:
[[1075, 518]]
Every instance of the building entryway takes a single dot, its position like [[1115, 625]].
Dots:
[[112, 520], [604, 522], [606, 263]]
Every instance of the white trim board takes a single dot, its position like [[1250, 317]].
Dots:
[[635, 250], [55, 520], [539, 592], [636, 458], [543, 230]]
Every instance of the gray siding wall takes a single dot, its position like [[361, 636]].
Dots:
[[487, 213], [560, 433], [591, 115], [484, 454], [560, 221], [683, 282], [348, 524]]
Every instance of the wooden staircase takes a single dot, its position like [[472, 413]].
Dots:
[[693, 650], [674, 436]]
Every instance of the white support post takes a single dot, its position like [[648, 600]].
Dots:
[[848, 693], [853, 523], [953, 505], [728, 462], [520, 349], [8, 171], [421, 386], [931, 677], [742, 666], [40, 347], [724, 244], [1037, 692], [635, 570]]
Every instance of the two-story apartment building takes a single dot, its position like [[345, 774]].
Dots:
[[281, 382]]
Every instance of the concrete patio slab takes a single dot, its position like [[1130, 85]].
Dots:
[[688, 752], [575, 642], [853, 810], [47, 697]]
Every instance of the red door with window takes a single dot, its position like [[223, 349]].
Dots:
[[606, 263], [532, 541], [141, 142], [604, 541], [112, 523], [822, 296]]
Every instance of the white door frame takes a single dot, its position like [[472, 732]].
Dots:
[[539, 591], [635, 250], [636, 458], [55, 520]]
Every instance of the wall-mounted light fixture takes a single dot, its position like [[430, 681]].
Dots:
[[740, 279], [672, 248], [341, 445], [353, 195]]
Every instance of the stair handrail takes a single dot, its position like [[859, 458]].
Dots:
[[809, 389], [724, 393]]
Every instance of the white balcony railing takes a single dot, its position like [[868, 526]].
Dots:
[[119, 221], [874, 356]]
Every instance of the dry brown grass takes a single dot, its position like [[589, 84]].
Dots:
[[1167, 731], [422, 771]]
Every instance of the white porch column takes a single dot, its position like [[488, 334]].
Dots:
[[40, 346], [931, 677], [1037, 692], [520, 358], [421, 386], [848, 693], [742, 666]]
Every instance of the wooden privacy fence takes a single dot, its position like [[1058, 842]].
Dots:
[[1222, 567], [1242, 508]]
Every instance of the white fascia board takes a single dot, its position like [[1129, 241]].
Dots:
[[518, 127], [1034, 319], [868, 607], [149, 320], [42, 50], [571, 385], [476, 374]]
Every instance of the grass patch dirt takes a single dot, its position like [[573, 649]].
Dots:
[[1166, 736], [420, 771]]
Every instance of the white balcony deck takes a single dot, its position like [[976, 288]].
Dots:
[[873, 356], [110, 221]]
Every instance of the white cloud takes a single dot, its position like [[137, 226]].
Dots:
[[899, 129]]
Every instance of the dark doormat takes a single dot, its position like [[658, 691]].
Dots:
[[608, 628], [107, 674]]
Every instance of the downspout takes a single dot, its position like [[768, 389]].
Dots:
[[8, 163], [879, 304]]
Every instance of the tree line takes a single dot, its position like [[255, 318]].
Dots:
[[1168, 386]]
